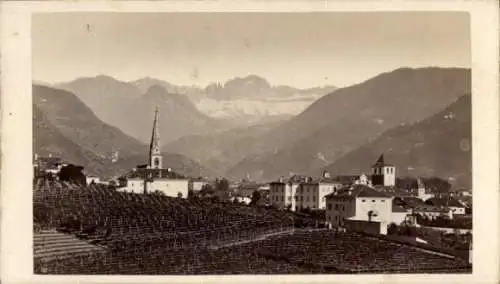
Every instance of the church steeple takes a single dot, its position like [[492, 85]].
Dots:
[[155, 159]]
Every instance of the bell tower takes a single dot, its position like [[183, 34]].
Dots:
[[155, 158], [382, 173]]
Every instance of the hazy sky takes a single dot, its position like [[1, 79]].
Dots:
[[297, 49]]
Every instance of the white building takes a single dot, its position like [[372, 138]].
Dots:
[[154, 178], [359, 207], [302, 192], [92, 179]]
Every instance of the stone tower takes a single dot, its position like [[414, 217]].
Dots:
[[382, 173], [155, 158]]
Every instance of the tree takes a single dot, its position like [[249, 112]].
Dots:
[[222, 184], [207, 190], [255, 198], [392, 229], [73, 174]]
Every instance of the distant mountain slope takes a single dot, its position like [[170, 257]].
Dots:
[[221, 150], [123, 105], [64, 126], [437, 146], [349, 117], [47, 140], [79, 124]]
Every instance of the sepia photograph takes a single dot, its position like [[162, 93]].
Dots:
[[206, 142], [252, 143]]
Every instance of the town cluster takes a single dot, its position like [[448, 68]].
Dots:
[[369, 203]]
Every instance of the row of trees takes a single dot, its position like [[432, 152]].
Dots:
[[435, 184]]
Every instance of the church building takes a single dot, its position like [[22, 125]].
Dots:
[[153, 177]]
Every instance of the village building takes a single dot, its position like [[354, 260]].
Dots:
[[153, 177], [432, 212], [302, 192], [91, 179], [359, 208], [450, 203], [196, 184]]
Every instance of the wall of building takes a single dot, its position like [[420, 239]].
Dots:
[[91, 179], [398, 217], [325, 189], [339, 209], [308, 195], [457, 210], [389, 176], [198, 185], [365, 226], [383, 207], [133, 185], [169, 187], [277, 194]]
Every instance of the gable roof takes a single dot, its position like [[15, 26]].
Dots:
[[397, 208], [357, 191]]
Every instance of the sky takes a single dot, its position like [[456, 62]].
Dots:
[[296, 49]]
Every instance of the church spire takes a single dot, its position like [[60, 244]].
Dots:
[[155, 159]]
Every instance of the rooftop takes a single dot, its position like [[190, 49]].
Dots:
[[144, 173], [443, 202], [357, 190]]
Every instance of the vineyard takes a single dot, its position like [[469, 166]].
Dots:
[[153, 234]]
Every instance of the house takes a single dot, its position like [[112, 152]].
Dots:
[[432, 212], [452, 203], [359, 207], [196, 184], [247, 188], [92, 179]]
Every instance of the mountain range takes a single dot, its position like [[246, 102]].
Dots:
[[190, 110], [349, 117], [417, 117], [122, 105]]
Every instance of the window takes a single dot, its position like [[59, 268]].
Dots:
[[282, 198], [329, 207], [307, 198], [382, 200], [336, 207], [363, 200], [373, 200]]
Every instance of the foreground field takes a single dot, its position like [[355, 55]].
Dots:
[[121, 233]]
